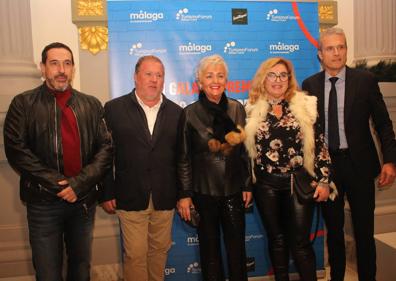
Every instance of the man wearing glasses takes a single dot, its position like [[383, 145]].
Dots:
[[347, 100]]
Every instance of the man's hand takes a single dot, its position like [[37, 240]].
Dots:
[[183, 206], [67, 193], [388, 174], [109, 206]]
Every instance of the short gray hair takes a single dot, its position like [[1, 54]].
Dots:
[[331, 31], [210, 60]]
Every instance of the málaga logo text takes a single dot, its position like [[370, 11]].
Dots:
[[145, 17]]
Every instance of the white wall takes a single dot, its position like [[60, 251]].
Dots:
[[345, 21], [51, 22]]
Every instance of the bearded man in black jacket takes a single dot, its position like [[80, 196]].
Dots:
[[56, 139]]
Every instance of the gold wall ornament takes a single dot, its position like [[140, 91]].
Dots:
[[327, 11], [90, 17], [89, 12], [90, 7], [93, 38]]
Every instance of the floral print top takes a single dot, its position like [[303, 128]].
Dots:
[[279, 146]]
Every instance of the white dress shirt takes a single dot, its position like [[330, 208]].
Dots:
[[151, 112]]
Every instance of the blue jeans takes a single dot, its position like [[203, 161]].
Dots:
[[53, 225]]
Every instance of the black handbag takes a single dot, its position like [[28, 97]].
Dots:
[[304, 186]]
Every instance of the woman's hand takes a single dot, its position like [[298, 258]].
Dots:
[[247, 198], [322, 192], [183, 207]]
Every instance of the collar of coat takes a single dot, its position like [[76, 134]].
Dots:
[[303, 107]]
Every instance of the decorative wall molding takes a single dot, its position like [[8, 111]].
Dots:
[[90, 16], [93, 38], [89, 12], [90, 8]]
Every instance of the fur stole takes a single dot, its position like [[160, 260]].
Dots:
[[226, 134], [303, 107]]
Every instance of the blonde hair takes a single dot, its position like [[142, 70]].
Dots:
[[257, 89], [207, 61]]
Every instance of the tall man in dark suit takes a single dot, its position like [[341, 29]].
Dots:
[[143, 190], [354, 156]]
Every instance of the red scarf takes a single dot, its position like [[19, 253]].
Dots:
[[70, 135]]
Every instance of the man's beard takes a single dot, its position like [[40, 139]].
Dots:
[[53, 83]]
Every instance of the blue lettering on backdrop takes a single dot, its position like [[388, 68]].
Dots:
[[180, 33]]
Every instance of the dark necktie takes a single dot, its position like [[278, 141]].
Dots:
[[334, 136]]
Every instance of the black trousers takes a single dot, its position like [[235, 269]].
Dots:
[[360, 192], [288, 225], [229, 214]]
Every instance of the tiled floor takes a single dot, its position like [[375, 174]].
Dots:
[[350, 276]]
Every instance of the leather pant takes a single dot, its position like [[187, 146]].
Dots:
[[288, 226], [229, 214]]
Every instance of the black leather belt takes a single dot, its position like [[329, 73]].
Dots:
[[340, 152], [280, 176], [279, 181], [272, 177]]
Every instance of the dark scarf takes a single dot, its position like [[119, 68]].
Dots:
[[222, 123]]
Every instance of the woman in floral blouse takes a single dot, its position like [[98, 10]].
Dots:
[[282, 137]]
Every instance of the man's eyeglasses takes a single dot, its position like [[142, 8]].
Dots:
[[283, 76]]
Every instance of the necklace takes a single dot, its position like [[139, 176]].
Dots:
[[276, 107], [277, 110], [274, 101]]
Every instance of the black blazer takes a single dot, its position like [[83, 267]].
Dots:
[[143, 164], [363, 100]]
